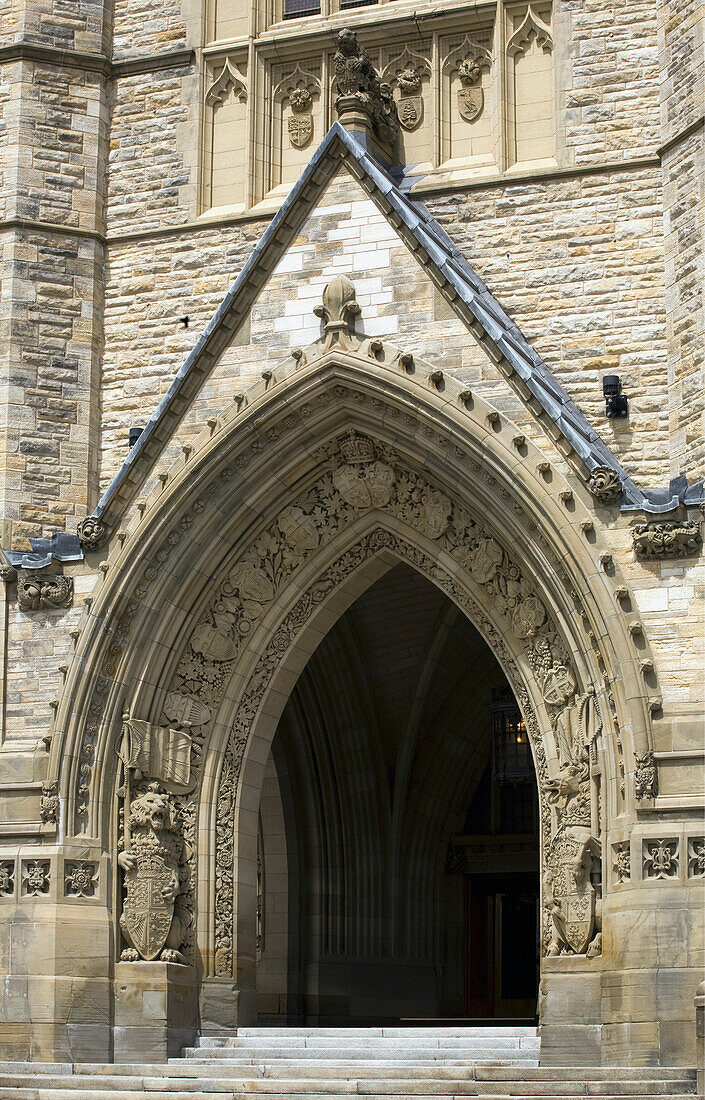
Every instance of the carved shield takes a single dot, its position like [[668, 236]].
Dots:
[[298, 529], [300, 129], [365, 486], [528, 617], [470, 102], [486, 560], [435, 513], [147, 913], [558, 686], [410, 108], [572, 888]]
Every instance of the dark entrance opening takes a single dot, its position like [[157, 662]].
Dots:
[[398, 862]]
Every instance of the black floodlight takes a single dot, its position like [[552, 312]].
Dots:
[[135, 433], [616, 404]]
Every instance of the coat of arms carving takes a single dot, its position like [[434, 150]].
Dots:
[[410, 105], [471, 97], [571, 896], [364, 481], [153, 923], [300, 122]]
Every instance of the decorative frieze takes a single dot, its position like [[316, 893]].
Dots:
[[657, 540]]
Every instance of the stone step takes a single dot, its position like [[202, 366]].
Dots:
[[457, 1032], [324, 1042], [302, 1087], [413, 1054], [378, 1071], [40, 1093]]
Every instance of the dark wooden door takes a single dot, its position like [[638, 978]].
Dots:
[[501, 957]]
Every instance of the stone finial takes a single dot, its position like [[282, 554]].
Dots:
[[364, 101], [339, 307]]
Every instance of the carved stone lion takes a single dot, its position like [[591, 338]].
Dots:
[[152, 922]]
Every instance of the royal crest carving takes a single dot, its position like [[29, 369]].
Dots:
[[363, 481], [653, 541], [406, 73], [359, 87], [605, 485], [645, 776], [43, 591], [570, 895], [153, 922]]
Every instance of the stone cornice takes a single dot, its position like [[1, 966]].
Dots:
[[680, 136], [86, 61]]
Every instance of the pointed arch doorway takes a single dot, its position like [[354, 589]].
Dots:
[[398, 845]]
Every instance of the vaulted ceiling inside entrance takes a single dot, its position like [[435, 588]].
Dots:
[[403, 682]]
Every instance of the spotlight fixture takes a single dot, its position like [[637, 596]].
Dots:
[[616, 404], [135, 433]]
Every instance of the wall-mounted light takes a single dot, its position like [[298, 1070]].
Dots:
[[616, 404], [134, 435]]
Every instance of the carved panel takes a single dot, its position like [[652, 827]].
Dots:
[[660, 859], [466, 71], [37, 591], [36, 877], [696, 857], [7, 878], [654, 541], [621, 862], [531, 92], [80, 879]]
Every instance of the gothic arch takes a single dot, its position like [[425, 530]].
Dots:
[[454, 482]]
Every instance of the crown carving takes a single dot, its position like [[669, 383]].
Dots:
[[357, 448]]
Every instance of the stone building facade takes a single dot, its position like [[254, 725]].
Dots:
[[378, 649]]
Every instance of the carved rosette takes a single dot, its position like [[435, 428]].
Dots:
[[653, 541], [605, 485], [92, 533], [38, 591]]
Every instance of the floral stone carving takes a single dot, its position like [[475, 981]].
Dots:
[[80, 879], [36, 876], [666, 540], [92, 533], [7, 878], [360, 88], [605, 485], [152, 922], [43, 591], [661, 858]]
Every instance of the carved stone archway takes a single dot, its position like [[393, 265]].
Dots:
[[240, 537]]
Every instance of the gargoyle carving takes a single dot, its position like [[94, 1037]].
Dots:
[[359, 86]]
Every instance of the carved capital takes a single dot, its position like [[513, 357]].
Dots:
[[43, 591]]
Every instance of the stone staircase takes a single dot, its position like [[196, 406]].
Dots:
[[319, 1063]]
